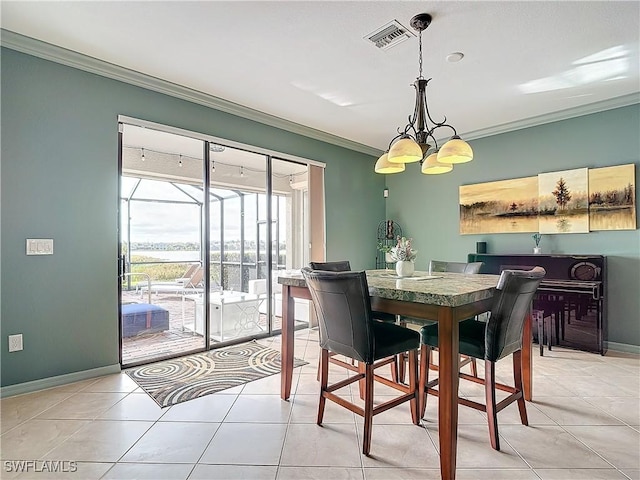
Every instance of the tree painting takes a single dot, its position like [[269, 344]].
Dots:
[[612, 193], [563, 201], [504, 206], [562, 194], [570, 201]]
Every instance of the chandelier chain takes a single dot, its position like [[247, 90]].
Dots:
[[420, 50]]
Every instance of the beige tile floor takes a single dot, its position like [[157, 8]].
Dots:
[[584, 424]]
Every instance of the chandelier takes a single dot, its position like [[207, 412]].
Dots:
[[411, 144]]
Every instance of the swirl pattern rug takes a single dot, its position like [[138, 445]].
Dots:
[[185, 378]]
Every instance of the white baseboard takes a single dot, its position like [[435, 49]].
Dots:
[[28, 387], [623, 347]]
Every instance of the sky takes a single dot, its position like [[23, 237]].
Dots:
[[180, 222]]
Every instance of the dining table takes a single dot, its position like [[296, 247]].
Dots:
[[447, 298]]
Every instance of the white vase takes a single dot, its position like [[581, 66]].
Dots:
[[405, 268], [537, 250]]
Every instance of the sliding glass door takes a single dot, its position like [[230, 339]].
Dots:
[[161, 204], [205, 223]]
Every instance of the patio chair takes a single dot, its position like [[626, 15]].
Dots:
[[186, 276], [192, 285]]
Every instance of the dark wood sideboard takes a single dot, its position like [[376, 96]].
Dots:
[[572, 295]]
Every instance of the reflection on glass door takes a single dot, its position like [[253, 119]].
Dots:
[[257, 227], [161, 202], [289, 233], [237, 193]]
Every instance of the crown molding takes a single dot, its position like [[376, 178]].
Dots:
[[63, 56], [601, 106], [89, 64]]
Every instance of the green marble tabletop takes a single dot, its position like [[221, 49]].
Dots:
[[448, 289]]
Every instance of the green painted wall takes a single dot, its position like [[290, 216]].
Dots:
[[426, 207], [59, 179]]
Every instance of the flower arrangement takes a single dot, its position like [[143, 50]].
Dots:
[[536, 238], [403, 250]]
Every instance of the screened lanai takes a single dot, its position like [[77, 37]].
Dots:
[[235, 258], [253, 218]]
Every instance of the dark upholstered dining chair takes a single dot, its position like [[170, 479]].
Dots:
[[347, 328], [454, 267], [339, 266], [345, 266], [499, 337], [451, 267]]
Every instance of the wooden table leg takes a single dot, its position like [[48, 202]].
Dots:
[[527, 371], [286, 373], [448, 359]]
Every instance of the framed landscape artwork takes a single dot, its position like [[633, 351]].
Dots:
[[506, 206], [569, 201], [564, 201], [612, 193]]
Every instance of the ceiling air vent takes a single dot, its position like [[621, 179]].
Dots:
[[389, 35]]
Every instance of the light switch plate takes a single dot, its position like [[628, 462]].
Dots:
[[39, 246]]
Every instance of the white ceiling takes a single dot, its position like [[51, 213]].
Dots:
[[307, 62]]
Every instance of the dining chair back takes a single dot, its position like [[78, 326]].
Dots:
[[339, 266], [510, 308], [454, 267], [347, 328], [498, 338], [344, 312], [345, 266]]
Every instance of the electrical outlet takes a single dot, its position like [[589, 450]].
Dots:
[[15, 343]]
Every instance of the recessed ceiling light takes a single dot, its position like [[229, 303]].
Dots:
[[455, 57]]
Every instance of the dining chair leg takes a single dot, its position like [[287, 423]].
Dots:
[[362, 383], [425, 357], [395, 370], [413, 386], [490, 394], [474, 367], [324, 380], [368, 409], [517, 381], [539, 316], [401, 360]]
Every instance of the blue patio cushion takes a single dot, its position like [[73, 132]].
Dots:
[[143, 318]]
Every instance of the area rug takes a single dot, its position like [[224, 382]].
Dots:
[[185, 378]]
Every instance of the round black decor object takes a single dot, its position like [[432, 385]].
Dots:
[[585, 271]]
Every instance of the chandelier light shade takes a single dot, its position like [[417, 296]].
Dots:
[[417, 141], [431, 165], [455, 150], [405, 150], [384, 166]]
